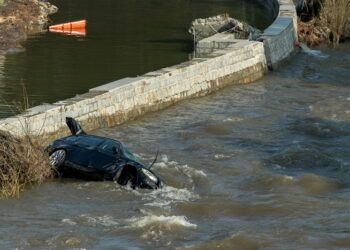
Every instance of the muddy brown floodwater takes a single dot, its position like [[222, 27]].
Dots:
[[258, 166]]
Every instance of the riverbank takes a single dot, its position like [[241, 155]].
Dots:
[[20, 18]]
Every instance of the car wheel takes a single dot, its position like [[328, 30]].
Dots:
[[57, 158], [128, 174]]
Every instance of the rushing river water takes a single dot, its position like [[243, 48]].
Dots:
[[258, 166], [125, 38]]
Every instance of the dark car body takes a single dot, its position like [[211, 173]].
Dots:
[[98, 158]]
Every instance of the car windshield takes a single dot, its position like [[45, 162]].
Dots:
[[129, 155]]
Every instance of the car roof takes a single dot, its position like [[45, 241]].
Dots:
[[90, 140]]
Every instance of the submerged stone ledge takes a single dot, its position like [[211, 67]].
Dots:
[[236, 62]]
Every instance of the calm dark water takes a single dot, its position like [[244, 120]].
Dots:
[[258, 166], [125, 38]]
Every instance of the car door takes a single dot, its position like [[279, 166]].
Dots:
[[82, 152]]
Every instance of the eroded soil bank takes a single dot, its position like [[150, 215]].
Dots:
[[19, 18]]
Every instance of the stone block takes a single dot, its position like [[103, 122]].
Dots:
[[117, 84], [278, 26]]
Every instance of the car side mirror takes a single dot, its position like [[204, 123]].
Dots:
[[115, 150]]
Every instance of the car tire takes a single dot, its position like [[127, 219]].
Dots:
[[57, 158], [128, 174]]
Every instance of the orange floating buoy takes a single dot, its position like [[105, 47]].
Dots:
[[71, 28]]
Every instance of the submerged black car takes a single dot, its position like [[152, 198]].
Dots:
[[97, 158]]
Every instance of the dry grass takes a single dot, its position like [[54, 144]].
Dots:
[[334, 15], [312, 33], [21, 165]]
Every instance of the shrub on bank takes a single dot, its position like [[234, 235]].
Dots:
[[334, 15], [322, 20], [21, 164]]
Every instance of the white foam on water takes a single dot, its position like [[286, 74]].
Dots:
[[141, 156], [164, 163], [219, 156], [155, 227], [164, 158], [105, 220], [168, 195], [85, 185], [235, 119], [160, 165], [172, 163], [190, 172], [288, 177], [69, 222], [161, 220]]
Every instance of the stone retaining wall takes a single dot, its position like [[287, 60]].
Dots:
[[280, 37], [237, 62], [125, 99]]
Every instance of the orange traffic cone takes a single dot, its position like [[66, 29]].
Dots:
[[72, 28], [69, 26]]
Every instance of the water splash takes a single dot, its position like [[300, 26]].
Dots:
[[91, 220], [161, 220], [315, 53], [168, 196]]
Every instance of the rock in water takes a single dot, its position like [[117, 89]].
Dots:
[[203, 28], [20, 18]]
